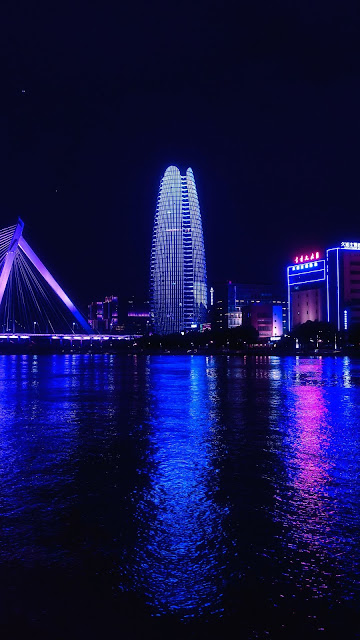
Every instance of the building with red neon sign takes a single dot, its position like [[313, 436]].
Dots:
[[307, 257], [325, 288], [306, 282]]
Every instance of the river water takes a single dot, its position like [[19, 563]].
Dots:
[[179, 496]]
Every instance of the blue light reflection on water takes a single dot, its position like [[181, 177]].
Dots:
[[207, 487], [181, 545], [43, 402], [59, 429]]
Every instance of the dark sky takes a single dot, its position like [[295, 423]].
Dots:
[[261, 99]]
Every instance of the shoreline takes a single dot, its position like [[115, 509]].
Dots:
[[128, 349]]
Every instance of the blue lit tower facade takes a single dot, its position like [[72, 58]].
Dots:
[[178, 289]]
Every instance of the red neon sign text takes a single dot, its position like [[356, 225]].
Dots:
[[307, 257]]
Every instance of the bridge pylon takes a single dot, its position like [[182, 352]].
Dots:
[[18, 243]]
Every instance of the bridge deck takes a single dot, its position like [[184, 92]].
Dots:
[[65, 336]]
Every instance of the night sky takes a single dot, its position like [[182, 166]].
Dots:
[[261, 99]]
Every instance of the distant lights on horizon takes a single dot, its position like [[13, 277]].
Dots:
[[142, 314]]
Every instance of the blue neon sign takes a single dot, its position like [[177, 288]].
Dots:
[[306, 272]]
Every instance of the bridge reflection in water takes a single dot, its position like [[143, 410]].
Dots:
[[52, 343], [17, 337]]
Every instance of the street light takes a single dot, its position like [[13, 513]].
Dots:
[[73, 327]]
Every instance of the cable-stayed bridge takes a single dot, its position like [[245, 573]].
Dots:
[[31, 300]]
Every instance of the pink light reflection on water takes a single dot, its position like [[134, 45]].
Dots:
[[303, 505], [310, 434]]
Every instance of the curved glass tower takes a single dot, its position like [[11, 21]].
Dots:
[[178, 289]]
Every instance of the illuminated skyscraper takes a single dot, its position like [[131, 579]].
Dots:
[[178, 289]]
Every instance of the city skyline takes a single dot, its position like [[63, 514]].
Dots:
[[179, 286], [197, 475], [264, 110]]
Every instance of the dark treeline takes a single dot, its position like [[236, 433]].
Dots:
[[310, 337]]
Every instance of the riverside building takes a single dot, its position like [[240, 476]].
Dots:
[[343, 285], [104, 316], [236, 304], [325, 288], [306, 284], [178, 288]]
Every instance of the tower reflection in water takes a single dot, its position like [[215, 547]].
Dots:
[[179, 552]]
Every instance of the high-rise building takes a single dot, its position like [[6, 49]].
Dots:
[[326, 288], [343, 285], [306, 282], [103, 316], [137, 320], [178, 289]]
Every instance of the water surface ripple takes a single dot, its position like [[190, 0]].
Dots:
[[179, 495]]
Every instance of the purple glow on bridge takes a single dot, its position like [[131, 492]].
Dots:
[[18, 242], [53, 284], [9, 258]]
